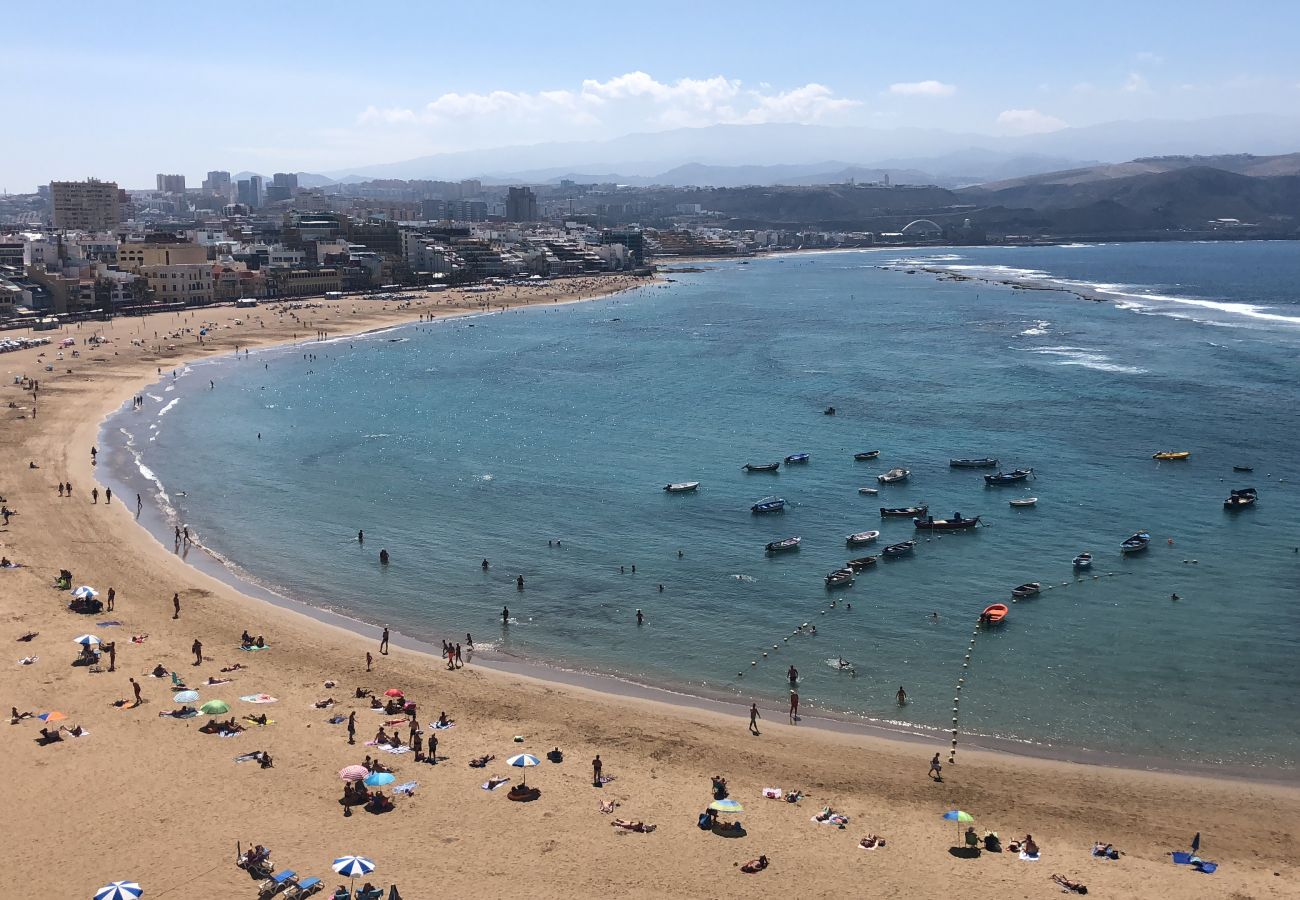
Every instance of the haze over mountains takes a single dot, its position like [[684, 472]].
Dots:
[[731, 155]]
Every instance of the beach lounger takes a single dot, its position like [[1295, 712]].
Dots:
[[276, 883], [304, 888]]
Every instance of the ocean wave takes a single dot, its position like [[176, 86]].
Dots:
[[1040, 328], [148, 474], [162, 412], [1087, 358]]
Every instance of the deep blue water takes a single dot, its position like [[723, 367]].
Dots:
[[492, 436]]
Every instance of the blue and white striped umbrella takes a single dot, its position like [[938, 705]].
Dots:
[[353, 866], [186, 697], [87, 640], [524, 761], [119, 890], [85, 591]]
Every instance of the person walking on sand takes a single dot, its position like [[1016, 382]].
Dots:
[[112, 596], [936, 769], [753, 718], [369, 659], [139, 505], [135, 686], [112, 656], [596, 766], [108, 496], [176, 605], [94, 495], [433, 748], [352, 727], [197, 649], [383, 642], [459, 663], [794, 706]]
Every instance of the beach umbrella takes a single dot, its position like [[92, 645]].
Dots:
[[52, 716], [394, 692], [352, 866], [119, 890], [215, 707], [524, 761], [379, 779], [961, 818], [86, 640], [85, 591], [727, 806], [1196, 842], [186, 697], [353, 773]]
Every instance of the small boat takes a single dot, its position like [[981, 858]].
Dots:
[[861, 537], [863, 562], [1243, 468], [994, 614], [1172, 454], [1024, 501], [783, 546], [1083, 561], [869, 491], [763, 467], [681, 487], [1135, 543], [1008, 477], [902, 512], [1241, 499], [902, 548], [794, 458], [983, 462], [828, 411], [956, 523], [768, 505], [1028, 589], [893, 476], [866, 454], [840, 578]]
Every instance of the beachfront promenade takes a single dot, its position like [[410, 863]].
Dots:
[[153, 798]]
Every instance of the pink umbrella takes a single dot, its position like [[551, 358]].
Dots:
[[394, 692], [353, 773]]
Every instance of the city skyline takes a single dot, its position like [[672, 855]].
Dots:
[[397, 90]]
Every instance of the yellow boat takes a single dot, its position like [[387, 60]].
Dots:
[[1172, 454]]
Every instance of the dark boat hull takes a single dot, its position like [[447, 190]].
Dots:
[[766, 467], [869, 454], [945, 524], [863, 562], [903, 512], [986, 463]]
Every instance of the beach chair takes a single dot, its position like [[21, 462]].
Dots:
[[342, 893], [176, 682], [276, 883], [373, 894], [304, 888]]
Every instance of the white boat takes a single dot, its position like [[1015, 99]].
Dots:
[[1024, 501], [1028, 589], [869, 491], [893, 476], [1083, 561], [861, 537], [681, 487], [840, 578]]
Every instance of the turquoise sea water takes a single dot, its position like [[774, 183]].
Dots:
[[489, 437]]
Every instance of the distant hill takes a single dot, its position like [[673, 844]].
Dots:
[[1240, 163]]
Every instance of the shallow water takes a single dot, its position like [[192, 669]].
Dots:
[[492, 436]]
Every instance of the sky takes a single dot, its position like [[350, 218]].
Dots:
[[123, 91]]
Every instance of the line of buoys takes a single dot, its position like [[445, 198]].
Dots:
[[956, 701]]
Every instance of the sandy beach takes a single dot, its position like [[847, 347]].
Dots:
[[154, 800]]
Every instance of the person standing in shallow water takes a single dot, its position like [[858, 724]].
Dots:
[[519, 583], [505, 615]]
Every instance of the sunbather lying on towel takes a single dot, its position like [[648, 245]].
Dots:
[[257, 720], [325, 704], [1068, 885], [15, 716], [726, 826], [481, 761], [235, 668], [75, 730], [607, 807], [871, 842], [755, 865], [50, 737], [214, 681], [633, 826], [1106, 850], [182, 713], [28, 636], [493, 783], [28, 660]]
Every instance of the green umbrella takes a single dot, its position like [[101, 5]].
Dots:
[[960, 817], [215, 707], [727, 805]]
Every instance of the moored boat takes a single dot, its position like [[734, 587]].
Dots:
[[1028, 589], [863, 562], [1083, 561], [869, 491], [762, 467], [1171, 454], [866, 454], [893, 476], [1024, 501], [994, 614], [681, 487], [840, 578], [982, 462], [902, 512], [1135, 542], [795, 458], [1008, 477], [902, 548], [783, 546], [861, 537], [956, 523], [1241, 499], [1243, 468], [768, 505]]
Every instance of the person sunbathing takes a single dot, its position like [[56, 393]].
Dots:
[[208, 727], [258, 719], [235, 668], [726, 826], [443, 721], [159, 671], [15, 716], [379, 803], [260, 643], [28, 660], [394, 740], [641, 827], [214, 681], [825, 815], [375, 703], [325, 704], [495, 781], [381, 737], [75, 730], [755, 865], [481, 761], [27, 638], [607, 807], [1077, 887], [1106, 850], [871, 841], [1028, 846], [793, 796], [50, 737]]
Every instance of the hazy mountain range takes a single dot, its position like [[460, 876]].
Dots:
[[730, 155]]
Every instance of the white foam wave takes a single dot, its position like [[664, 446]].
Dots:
[[166, 409], [1088, 359], [1040, 328]]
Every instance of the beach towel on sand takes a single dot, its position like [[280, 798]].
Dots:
[[397, 750], [488, 786], [259, 698], [246, 757], [255, 649], [436, 727], [773, 793], [1027, 858], [408, 788]]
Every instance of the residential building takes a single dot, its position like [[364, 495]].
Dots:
[[188, 283], [303, 282], [89, 205], [633, 240], [521, 205], [217, 182], [132, 257], [287, 180], [250, 191], [171, 184]]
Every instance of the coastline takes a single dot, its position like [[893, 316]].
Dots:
[[312, 647]]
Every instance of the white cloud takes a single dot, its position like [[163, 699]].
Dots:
[[1135, 84], [1028, 121], [929, 88], [634, 95]]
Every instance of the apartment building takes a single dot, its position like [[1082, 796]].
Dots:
[[89, 205]]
